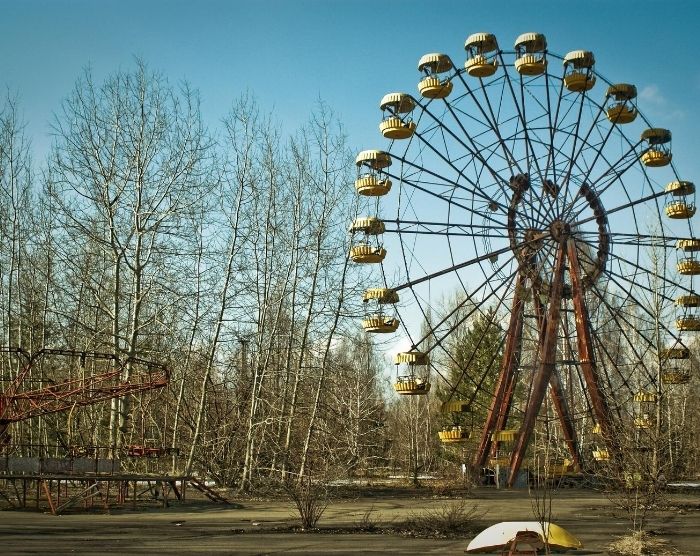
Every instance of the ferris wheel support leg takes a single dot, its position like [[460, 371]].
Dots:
[[511, 359], [507, 402], [586, 353], [546, 366], [562, 409], [558, 398]]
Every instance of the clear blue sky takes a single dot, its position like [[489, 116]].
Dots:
[[290, 53], [348, 53]]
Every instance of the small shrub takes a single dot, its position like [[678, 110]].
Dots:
[[369, 521], [309, 499], [453, 519]]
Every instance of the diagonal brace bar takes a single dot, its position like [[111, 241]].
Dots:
[[509, 363], [546, 366]]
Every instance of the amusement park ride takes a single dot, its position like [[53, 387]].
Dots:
[[81, 385], [536, 186], [68, 379]]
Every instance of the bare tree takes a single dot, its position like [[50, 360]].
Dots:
[[131, 160], [15, 222]]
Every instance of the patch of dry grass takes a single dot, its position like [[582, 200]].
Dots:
[[639, 543]]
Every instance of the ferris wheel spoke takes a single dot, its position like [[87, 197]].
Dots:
[[553, 125], [520, 107], [458, 266], [439, 340], [485, 165], [622, 238], [474, 153], [543, 260], [598, 149], [619, 281], [474, 150], [647, 289], [616, 170], [451, 201], [402, 221], [607, 178], [446, 181], [615, 365], [478, 387], [444, 233], [629, 205], [618, 316], [435, 329], [534, 206], [574, 157], [444, 228], [493, 122]]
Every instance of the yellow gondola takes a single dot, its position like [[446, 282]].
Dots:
[[680, 210], [578, 71], [501, 458], [504, 435], [689, 245], [675, 353], [480, 60], [643, 422], [675, 376], [396, 128], [369, 225], [378, 322], [371, 182], [455, 406], [690, 300], [601, 455], [413, 380], [559, 468], [393, 126], [688, 324], [658, 152], [410, 386], [366, 253], [644, 396], [622, 109], [381, 295], [454, 435], [433, 85], [530, 49], [680, 188], [688, 266]]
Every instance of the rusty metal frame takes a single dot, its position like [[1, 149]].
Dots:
[[504, 385], [547, 362], [557, 394], [17, 405], [586, 352]]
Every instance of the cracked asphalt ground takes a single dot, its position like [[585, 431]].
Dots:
[[264, 527]]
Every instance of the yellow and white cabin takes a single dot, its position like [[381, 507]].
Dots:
[[482, 49], [530, 50]]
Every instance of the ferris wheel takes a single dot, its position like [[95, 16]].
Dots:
[[536, 188]]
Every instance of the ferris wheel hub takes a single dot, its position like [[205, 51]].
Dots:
[[560, 230]]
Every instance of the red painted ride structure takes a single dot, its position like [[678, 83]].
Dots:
[[125, 376]]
